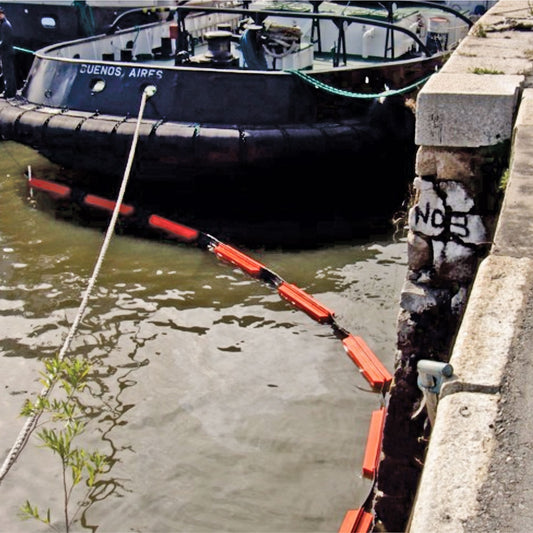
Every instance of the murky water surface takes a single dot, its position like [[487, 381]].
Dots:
[[222, 407]]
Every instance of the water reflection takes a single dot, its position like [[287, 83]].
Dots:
[[221, 407]]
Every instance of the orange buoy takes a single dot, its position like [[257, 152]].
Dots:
[[306, 302], [108, 205], [373, 443], [234, 256], [356, 521], [55, 189], [183, 232], [371, 367]]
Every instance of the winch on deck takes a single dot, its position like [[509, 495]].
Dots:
[[258, 46], [218, 54]]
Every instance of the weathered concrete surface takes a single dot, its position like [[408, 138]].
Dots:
[[470, 432], [472, 100], [514, 233], [493, 316], [505, 497], [466, 109], [458, 459], [478, 472]]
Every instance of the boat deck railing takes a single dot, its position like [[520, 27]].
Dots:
[[138, 44]]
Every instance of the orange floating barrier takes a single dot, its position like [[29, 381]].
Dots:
[[371, 367], [365, 522], [230, 254], [183, 232], [373, 443], [55, 189], [108, 205], [304, 301], [356, 521]]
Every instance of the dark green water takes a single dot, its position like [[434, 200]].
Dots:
[[223, 408]]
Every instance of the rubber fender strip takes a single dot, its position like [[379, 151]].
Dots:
[[234, 256], [183, 232], [57, 190], [356, 521], [373, 443], [371, 368], [304, 301], [108, 205]]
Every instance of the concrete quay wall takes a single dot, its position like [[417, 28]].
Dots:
[[468, 294]]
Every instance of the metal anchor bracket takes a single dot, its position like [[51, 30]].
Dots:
[[431, 375]]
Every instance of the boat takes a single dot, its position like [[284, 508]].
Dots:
[[38, 23], [248, 96]]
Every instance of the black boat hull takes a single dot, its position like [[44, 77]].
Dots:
[[183, 151], [289, 184]]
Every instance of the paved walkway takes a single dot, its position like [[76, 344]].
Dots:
[[478, 475]]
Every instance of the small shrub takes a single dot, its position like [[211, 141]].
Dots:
[[66, 421]]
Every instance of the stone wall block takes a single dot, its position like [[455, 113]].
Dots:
[[456, 164], [400, 412], [427, 215], [405, 324], [423, 277], [475, 231], [406, 336], [465, 227], [457, 197], [465, 165], [419, 252], [458, 302], [454, 262], [419, 298], [466, 110], [416, 298], [426, 161]]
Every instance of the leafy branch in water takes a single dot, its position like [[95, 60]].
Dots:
[[77, 464]]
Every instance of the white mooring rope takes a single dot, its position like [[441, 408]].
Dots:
[[32, 420]]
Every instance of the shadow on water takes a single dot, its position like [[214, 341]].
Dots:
[[242, 222], [106, 412], [354, 193], [294, 207]]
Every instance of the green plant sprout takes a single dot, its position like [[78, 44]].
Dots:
[[481, 70], [77, 464], [504, 180], [479, 30]]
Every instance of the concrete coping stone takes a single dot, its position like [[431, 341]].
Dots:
[[525, 111], [467, 110], [515, 224], [457, 463], [504, 12], [493, 66]]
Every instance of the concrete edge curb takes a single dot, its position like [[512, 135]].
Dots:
[[493, 314], [457, 463]]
